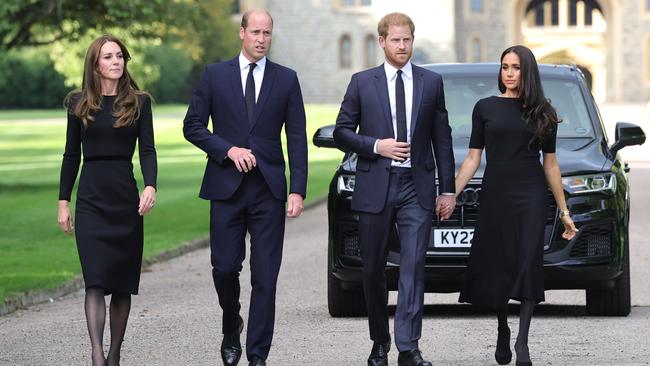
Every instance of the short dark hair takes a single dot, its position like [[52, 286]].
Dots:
[[244, 17]]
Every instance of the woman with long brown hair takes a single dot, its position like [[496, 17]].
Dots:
[[105, 119], [506, 259]]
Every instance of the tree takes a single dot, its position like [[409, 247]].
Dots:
[[203, 30], [39, 22], [206, 28], [170, 41]]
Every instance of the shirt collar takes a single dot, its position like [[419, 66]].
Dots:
[[391, 71], [244, 62]]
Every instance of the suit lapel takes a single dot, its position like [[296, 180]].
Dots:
[[381, 85], [418, 87], [235, 85], [265, 91]]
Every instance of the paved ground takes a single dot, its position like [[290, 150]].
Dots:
[[175, 320]]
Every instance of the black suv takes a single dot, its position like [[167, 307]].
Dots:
[[595, 185]]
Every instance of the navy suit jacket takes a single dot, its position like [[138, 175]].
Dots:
[[219, 96], [366, 106]]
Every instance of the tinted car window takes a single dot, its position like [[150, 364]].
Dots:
[[462, 92], [569, 102]]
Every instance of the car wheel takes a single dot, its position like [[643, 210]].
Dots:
[[343, 302], [615, 301]]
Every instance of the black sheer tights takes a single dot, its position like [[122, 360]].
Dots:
[[503, 354], [95, 307], [521, 345]]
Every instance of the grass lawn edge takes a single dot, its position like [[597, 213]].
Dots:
[[39, 296]]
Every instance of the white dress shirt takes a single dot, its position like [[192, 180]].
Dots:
[[258, 73], [407, 77]]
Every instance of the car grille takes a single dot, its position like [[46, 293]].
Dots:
[[467, 206], [593, 241], [464, 216], [349, 240]]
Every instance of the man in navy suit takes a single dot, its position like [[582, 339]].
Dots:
[[249, 99], [394, 117]]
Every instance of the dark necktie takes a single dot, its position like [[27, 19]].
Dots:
[[249, 94], [400, 107]]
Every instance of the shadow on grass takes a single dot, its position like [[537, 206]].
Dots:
[[28, 187]]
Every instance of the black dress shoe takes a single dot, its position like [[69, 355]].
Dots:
[[256, 361], [379, 354], [231, 346], [412, 358]]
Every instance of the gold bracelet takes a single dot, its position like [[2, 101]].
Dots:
[[565, 213]]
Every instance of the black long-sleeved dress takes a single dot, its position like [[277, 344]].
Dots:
[[108, 228], [506, 259]]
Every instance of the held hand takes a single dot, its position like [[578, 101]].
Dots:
[[65, 218], [147, 200], [294, 205], [389, 148], [243, 158], [569, 228], [445, 205]]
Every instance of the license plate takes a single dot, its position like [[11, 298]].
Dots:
[[452, 238]]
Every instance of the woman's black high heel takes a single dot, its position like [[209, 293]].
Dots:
[[523, 351]]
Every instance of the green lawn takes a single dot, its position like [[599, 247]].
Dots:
[[37, 255]]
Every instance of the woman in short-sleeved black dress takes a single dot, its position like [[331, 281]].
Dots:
[[105, 120], [506, 259]]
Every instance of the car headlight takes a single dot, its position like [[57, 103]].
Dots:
[[345, 183], [578, 184]]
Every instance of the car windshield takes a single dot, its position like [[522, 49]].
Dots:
[[462, 92]]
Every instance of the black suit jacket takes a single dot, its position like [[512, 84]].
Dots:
[[219, 96], [366, 107]]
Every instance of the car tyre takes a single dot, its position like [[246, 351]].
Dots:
[[615, 301], [344, 302]]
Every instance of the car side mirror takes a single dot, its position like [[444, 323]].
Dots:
[[627, 134], [324, 137]]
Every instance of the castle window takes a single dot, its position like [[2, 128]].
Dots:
[[646, 59], [543, 13], [476, 6], [475, 52], [355, 3], [371, 50], [345, 52], [573, 12], [555, 12]]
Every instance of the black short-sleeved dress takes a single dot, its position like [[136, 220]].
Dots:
[[108, 228], [506, 258]]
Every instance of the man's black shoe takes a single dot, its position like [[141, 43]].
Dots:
[[231, 346], [256, 361], [379, 354], [411, 358]]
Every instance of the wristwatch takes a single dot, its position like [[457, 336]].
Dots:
[[565, 213]]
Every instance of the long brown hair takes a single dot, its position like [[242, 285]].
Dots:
[[538, 111], [84, 103]]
